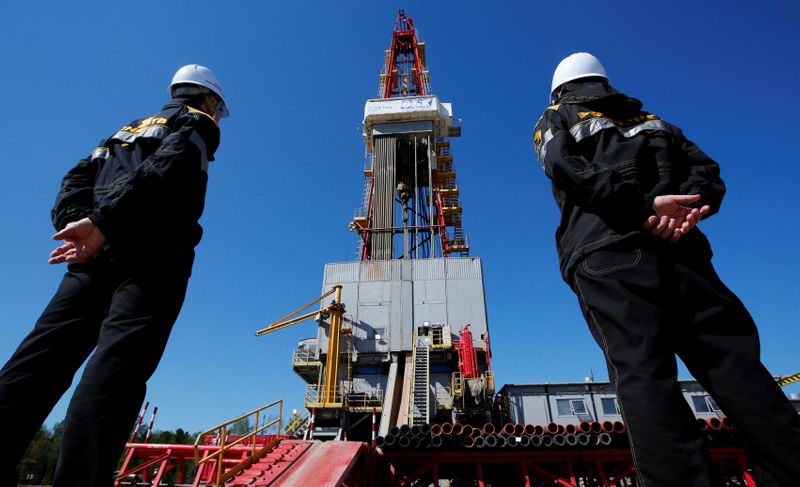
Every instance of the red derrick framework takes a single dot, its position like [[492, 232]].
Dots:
[[432, 201], [405, 62]]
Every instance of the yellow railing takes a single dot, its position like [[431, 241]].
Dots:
[[221, 431], [304, 356], [457, 384], [444, 397], [363, 401], [316, 393], [343, 397], [294, 423], [489, 382]]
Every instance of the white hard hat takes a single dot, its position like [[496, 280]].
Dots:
[[195, 74], [576, 66]]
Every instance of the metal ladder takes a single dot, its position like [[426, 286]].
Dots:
[[420, 393]]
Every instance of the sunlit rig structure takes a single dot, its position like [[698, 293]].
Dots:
[[400, 389], [388, 344]]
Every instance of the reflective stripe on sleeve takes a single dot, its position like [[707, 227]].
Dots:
[[590, 127], [198, 141], [542, 153], [100, 153], [153, 132]]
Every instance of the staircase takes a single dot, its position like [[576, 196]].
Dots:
[[296, 463], [420, 393], [271, 466], [451, 207]]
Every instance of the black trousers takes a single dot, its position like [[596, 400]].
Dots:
[[124, 312], [650, 301]]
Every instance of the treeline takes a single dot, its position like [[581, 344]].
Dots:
[[38, 465]]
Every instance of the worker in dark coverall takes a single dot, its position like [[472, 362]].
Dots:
[[631, 189], [128, 216]]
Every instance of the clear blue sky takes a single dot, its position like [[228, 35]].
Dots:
[[288, 173]]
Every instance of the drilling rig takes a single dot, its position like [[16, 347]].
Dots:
[[411, 343]]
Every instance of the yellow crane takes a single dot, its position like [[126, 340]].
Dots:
[[336, 311]]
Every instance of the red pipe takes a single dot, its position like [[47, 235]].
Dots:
[[139, 422], [607, 426], [469, 442], [619, 427], [508, 429], [467, 430], [436, 430], [447, 428], [585, 427], [726, 423], [714, 424], [570, 429], [488, 429], [519, 429], [596, 427], [538, 430], [150, 427], [530, 429], [553, 428], [373, 428], [311, 424]]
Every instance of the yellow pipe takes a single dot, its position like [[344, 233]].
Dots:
[[262, 331], [332, 362], [280, 325]]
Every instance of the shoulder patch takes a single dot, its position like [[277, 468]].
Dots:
[[150, 127], [195, 110], [586, 114], [554, 107], [537, 140]]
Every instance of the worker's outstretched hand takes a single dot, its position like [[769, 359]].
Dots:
[[673, 218], [82, 242]]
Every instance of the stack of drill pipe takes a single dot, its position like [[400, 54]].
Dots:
[[409, 437], [449, 435], [553, 428], [586, 434], [718, 430], [553, 435], [714, 424]]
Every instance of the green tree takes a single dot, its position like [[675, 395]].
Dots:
[[241, 427], [33, 466], [38, 465]]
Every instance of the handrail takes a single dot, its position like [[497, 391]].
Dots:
[[255, 453], [443, 398], [316, 393], [302, 356], [489, 381]]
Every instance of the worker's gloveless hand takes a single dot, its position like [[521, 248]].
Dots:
[[673, 218], [82, 242]]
